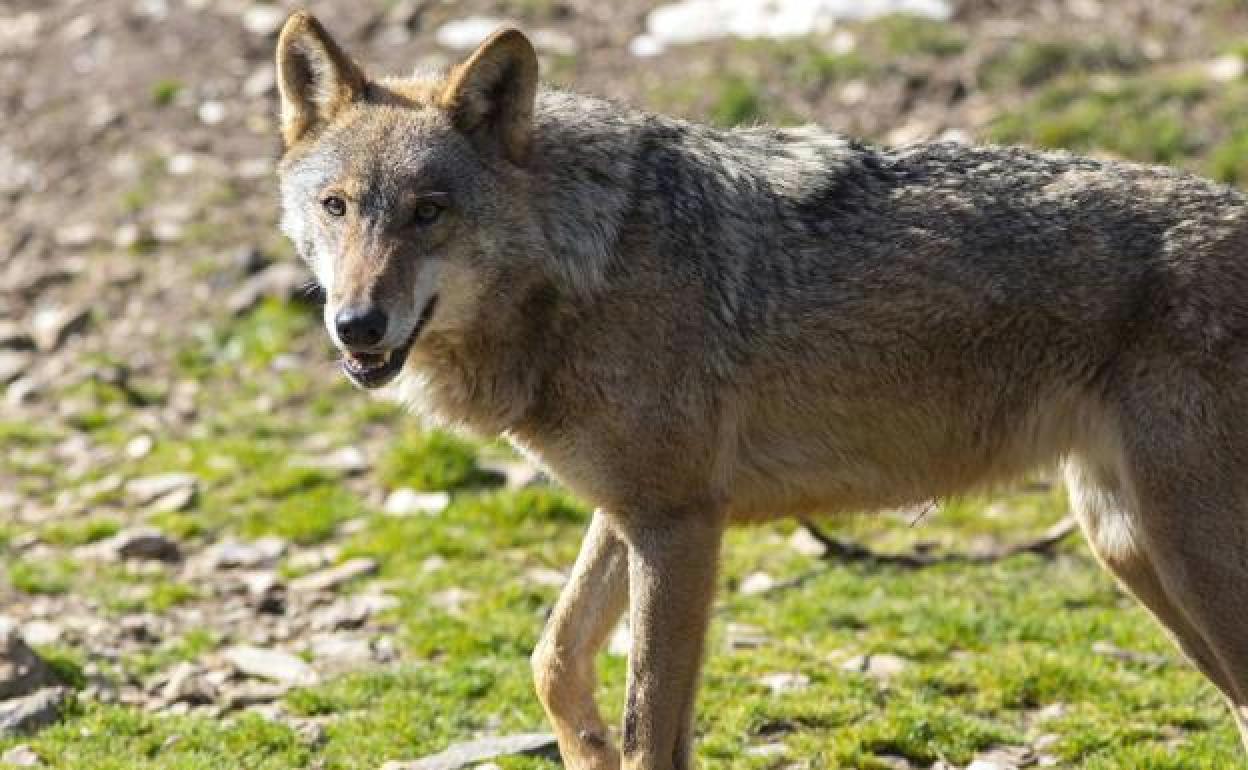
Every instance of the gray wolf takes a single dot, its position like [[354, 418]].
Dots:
[[694, 327]]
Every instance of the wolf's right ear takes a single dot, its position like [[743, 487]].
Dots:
[[315, 77], [492, 93]]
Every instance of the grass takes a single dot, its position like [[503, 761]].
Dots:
[[165, 91], [1136, 118], [989, 646], [1035, 62]]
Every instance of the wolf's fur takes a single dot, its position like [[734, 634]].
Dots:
[[692, 326]]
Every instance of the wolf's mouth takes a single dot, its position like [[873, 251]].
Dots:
[[375, 369]]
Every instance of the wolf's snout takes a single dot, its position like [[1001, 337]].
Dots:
[[361, 326]]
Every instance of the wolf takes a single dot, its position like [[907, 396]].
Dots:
[[694, 327]]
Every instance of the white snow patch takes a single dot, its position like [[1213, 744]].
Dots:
[[693, 21]]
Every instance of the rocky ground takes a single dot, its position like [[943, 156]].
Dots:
[[217, 554]]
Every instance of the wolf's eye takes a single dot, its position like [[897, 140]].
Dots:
[[426, 213], [334, 206]]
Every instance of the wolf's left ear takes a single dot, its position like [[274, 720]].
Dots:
[[492, 93], [316, 78]]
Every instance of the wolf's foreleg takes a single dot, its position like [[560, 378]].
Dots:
[[671, 575], [563, 663]]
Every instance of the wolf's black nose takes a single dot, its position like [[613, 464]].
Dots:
[[361, 326]]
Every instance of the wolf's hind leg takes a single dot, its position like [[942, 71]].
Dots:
[[1108, 520], [1185, 471], [563, 663]]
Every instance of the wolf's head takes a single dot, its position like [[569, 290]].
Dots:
[[406, 197]]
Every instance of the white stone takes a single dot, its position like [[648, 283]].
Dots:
[[20, 755], [465, 34], [782, 683], [1226, 68], [211, 112], [261, 82], [139, 446], [270, 664], [405, 501], [263, 20], [757, 583]]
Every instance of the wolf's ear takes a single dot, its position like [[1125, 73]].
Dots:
[[492, 93], [316, 78]]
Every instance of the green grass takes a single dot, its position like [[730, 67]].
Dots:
[[1032, 63], [905, 34], [42, 576], [165, 91], [431, 461], [1139, 119], [80, 532]]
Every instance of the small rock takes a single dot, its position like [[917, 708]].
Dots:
[[41, 632], [51, 326], [554, 41], [757, 583], [230, 554], [767, 750], [310, 732], [137, 543], [1225, 69], [739, 636], [342, 650], [28, 713], [22, 671], [514, 474], [463, 755], [645, 46], [13, 336], [263, 20], [881, 666], [274, 665], [13, 364], [352, 611], [76, 235], [140, 446], [332, 578], [314, 558], [621, 642], [175, 500], [346, 460], [405, 501], [1045, 741], [253, 694], [144, 628], [211, 112], [266, 591], [782, 683], [260, 83], [20, 755], [806, 543], [180, 164], [188, 684], [148, 489], [468, 33]]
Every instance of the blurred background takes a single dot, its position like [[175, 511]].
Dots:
[[214, 553]]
